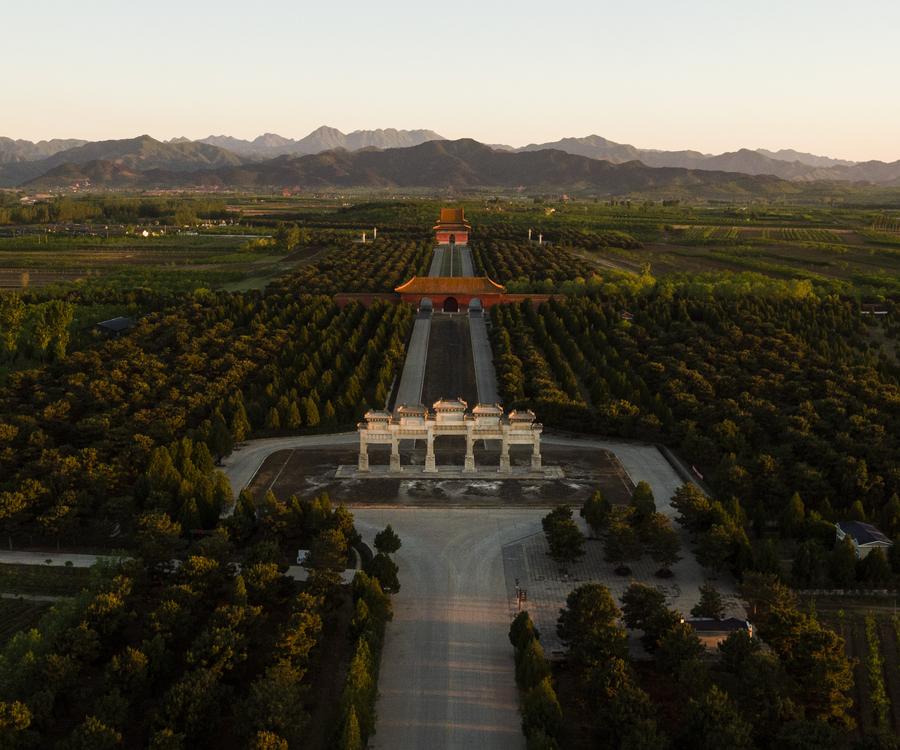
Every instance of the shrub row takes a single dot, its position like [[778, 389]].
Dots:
[[542, 719]]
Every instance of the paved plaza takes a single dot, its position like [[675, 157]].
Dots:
[[447, 674], [547, 586]]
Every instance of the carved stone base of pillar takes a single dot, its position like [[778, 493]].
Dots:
[[504, 465], [363, 461], [430, 465], [395, 462], [535, 462], [469, 465]]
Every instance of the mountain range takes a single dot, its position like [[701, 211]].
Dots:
[[787, 164], [324, 138], [457, 164], [352, 160]]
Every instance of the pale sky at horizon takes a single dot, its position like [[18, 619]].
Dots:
[[818, 76]]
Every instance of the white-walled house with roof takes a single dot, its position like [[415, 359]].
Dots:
[[865, 537]]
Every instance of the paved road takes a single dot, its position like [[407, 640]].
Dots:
[[412, 379], [449, 369], [437, 260], [447, 674], [465, 256], [241, 466], [78, 560], [50, 598], [485, 375]]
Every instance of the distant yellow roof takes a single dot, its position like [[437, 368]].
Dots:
[[472, 285]]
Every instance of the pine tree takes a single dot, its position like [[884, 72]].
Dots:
[[312, 413], [711, 603], [351, 738], [240, 425], [292, 420]]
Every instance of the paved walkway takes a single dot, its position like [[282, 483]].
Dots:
[[447, 674], [412, 381], [465, 256], [485, 375], [437, 260]]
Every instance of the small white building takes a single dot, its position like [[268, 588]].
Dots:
[[865, 537]]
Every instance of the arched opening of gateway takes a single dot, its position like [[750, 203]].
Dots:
[[451, 305], [425, 305], [452, 239], [475, 306]]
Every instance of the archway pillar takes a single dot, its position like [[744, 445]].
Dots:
[[469, 465], [430, 464], [363, 452], [395, 454], [505, 467], [536, 451]]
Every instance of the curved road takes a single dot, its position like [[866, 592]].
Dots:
[[243, 463]]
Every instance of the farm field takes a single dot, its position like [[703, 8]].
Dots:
[[177, 262], [50, 580], [852, 251], [869, 626], [19, 614]]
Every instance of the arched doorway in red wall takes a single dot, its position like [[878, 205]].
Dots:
[[451, 305]]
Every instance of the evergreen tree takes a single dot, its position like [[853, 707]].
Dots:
[[351, 738], [387, 540], [793, 517], [643, 502], [713, 723], [312, 413], [843, 563], [595, 511], [711, 603], [875, 568], [531, 666]]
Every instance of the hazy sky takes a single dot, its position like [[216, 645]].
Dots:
[[815, 75]]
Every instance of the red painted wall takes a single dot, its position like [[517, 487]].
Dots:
[[443, 238], [437, 300]]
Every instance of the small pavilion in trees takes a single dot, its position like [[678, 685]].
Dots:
[[452, 227]]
